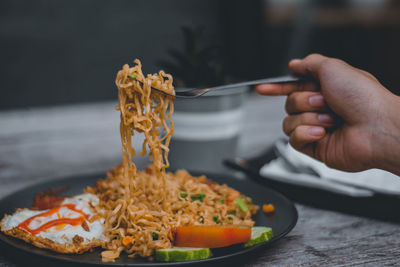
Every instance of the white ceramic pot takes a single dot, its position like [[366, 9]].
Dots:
[[207, 130]]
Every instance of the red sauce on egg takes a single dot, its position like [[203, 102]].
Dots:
[[72, 221]]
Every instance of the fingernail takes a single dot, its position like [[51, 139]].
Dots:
[[295, 61], [325, 118], [316, 100], [315, 131]]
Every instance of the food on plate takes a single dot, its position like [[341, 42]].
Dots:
[[150, 220], [71, 227], [241, 205], [268, 208], [259, 234], [149, 204], [48, 199], [182, 254], [210, 236], [140, 212]]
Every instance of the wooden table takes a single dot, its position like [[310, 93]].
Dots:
[[49, 143]]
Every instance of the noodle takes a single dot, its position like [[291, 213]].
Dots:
[[146, 205], [143, 111]]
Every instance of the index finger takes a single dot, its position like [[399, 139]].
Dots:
[[285, 88]]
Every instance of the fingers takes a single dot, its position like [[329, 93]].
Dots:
[[285, 88], [303, 138], [305, 101], [290, 123], [310, 65]]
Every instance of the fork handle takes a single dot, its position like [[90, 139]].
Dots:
[[281, 79]]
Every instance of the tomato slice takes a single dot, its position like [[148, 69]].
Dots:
[[211, 236]]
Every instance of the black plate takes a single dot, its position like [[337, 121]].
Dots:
[[282, 221], [379, 206]]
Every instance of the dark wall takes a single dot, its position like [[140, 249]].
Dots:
[[375, 50], [57, 51]]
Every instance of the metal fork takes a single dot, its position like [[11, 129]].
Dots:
[[192, 93]]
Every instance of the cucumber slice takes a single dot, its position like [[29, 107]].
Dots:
[[241, 205], [182, 254], [259, 234]]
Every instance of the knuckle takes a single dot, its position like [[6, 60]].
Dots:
[[313, 56], [297, 134], [330, 63], [305, 118], [294, 102], [312, 86], [368, 74], [288, 104], [307, 86], [303, 86], [285, 125], [282, 90], [294, 141]]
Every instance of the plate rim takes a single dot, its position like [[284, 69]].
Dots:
[[4, 237]]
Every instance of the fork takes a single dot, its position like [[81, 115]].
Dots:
[[192, 93]]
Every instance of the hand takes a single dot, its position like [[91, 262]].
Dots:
[[345, 119]]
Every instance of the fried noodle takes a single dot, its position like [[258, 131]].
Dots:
[[146, 205]]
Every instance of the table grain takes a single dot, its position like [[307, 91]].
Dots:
[[39, 144]]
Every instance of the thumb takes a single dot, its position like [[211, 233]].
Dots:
[[310, 65]]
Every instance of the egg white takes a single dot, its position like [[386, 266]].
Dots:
[[62, 234]]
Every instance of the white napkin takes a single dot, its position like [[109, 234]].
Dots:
[[365, 182]]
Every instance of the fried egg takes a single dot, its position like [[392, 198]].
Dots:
[[71, 227]]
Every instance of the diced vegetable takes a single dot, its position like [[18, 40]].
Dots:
[[211, 236], [182, 254], [223, 201], [132, 76], [228, 200], [183, 194], [215, 219], [232, 212], [241, 205], [127, 240], [259, 234], [268, 208], [199, 197], [234, 194], [154, 235]]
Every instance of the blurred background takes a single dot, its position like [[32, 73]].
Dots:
[[61, 52]]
